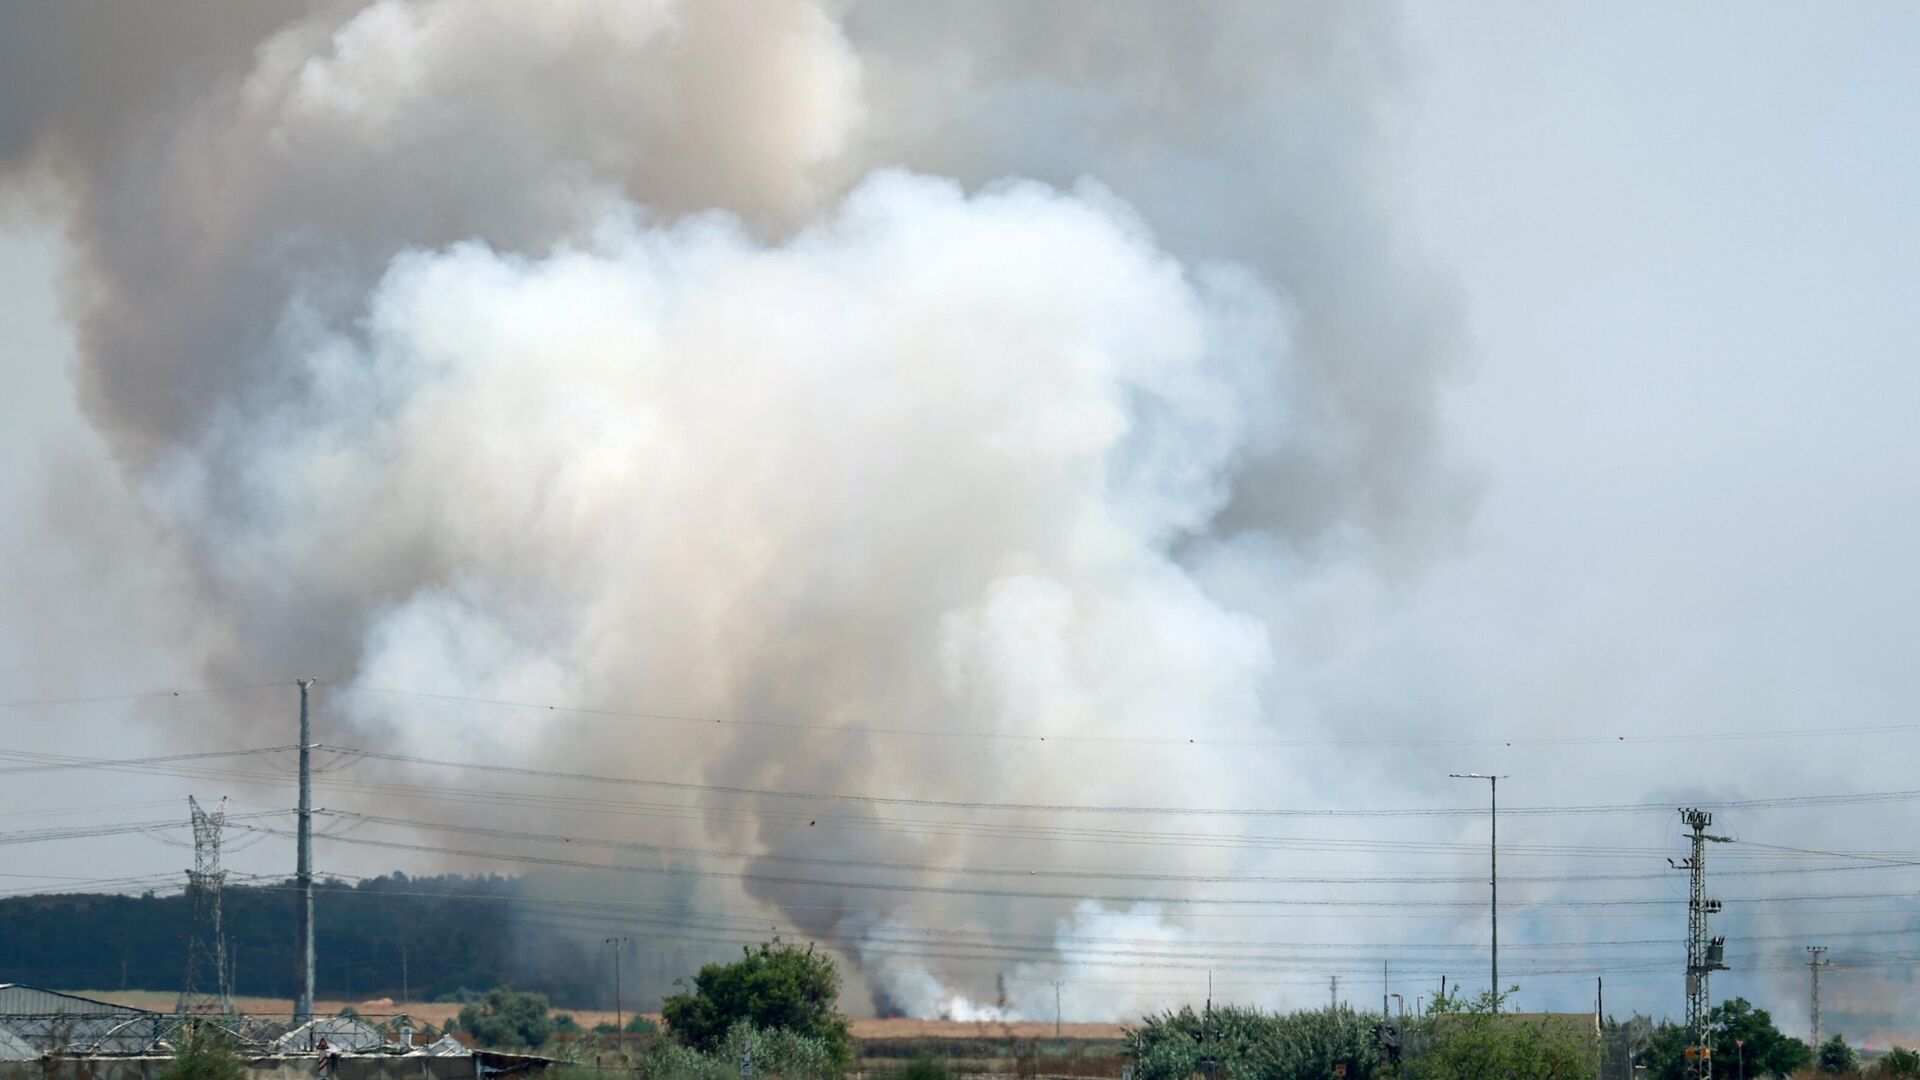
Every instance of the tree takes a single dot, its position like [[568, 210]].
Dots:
[[1742, 1031], [777, 986], [202, 1052], [508, 1018], [1470, 1040], [1247, 1044], [1767, 1050], [1836, 1056], [1898, 1062]]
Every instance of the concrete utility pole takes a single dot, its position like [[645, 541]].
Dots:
[[1334, 1001], [1705, 955], [303, 872], [1056, 1003], [1815, 963], [619, 1018], [1384, 1014], [1493, 872]]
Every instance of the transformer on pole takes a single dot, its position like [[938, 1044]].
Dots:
[[1705, 955], [206, 945]]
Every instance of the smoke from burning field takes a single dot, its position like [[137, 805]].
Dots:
[[982, 370]]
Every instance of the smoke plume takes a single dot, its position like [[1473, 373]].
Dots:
[[989, 369]]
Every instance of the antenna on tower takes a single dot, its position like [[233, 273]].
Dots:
[[206, 946]]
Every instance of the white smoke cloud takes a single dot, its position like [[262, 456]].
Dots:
[[601, 352]]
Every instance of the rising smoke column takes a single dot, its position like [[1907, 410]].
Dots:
[[723, 358]]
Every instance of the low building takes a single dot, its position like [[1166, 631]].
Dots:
[[51, 1035]]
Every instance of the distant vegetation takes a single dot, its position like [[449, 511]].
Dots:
[[510, 1020], [1459, 1039], [428, 935]]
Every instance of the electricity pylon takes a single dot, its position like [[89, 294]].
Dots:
[[206, 947]]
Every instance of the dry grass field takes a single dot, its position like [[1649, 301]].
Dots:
[[439, 1013]]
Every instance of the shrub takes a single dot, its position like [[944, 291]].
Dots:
[[776, 1053], [1247, 1044], [1897, 1062], [508, 1018], [777, 987], [1469, 1040], [923, 1067], [202, 1052], [1835, 1056]]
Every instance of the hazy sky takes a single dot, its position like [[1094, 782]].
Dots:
[[1682, 248]]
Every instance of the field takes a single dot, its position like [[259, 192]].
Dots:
[[438, 1013]]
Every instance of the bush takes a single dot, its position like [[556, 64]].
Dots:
[[642, 1025], [508, 1019], [1248, 1044], [777, 987], [1835, 1056], [776, 1053], [923, 1067], [1897, 1062], [1469, 1040], [202, 1052]]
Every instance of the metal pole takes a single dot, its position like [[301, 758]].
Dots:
[[1056, 1004], [1493, 871], [619, 1015], [1815, 964], [303, 872]]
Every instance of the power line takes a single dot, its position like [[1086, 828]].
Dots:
[[133, 695], [1056, 872], [58, 762], [863, 730], [910, 887], [1117, 809]]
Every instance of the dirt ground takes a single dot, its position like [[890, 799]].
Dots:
[[439, 1013]]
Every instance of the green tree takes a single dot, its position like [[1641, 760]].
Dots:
[[775, 987], [1247, 1044], [203, 1052], [508, 1018], [1742, 1031], [784, 1053], [1768, 1051], [1464, 1039], [1836, 1056], [1898, 1062]]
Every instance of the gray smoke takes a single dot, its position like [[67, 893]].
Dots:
[[984, 368]]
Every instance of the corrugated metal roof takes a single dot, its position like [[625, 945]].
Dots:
[[20, 1000]]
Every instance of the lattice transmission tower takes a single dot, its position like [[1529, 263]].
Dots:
[[1705, 955], [206, 946]]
